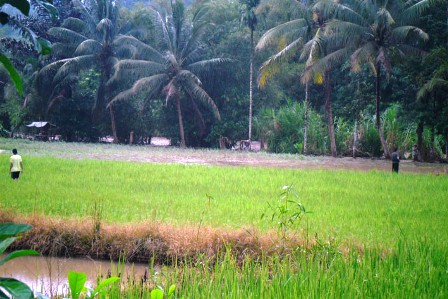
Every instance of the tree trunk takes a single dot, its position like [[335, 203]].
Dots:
[[329, 112], [420, 141], [181, 123], [251, 74], [432, 150], [377, 104], [131, 137], [113, 124], [355, 136], [305, 123], [446, 147]]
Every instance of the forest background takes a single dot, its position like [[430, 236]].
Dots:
[[89, 86]]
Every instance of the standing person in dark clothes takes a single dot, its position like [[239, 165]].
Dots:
[[395, 160]]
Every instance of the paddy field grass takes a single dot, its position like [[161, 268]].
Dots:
[[399, 221]]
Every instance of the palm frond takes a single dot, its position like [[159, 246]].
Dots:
[[66, 35], [194, 40], [87, 47], [205, 67], [63, 50], [274, 34], [286, 53], [408, 50], [146, 51], [162, 31], [323, 64], [346, 30], [365, 54], [127, 52], [330, 9], [74, 65], [86, 16], [54, 100], [401, 34], [130, 69], [412, 13], [430, 86], [271, 66], [267, 71], [76, 25], [151, 85], [51, 69], [192, 85]]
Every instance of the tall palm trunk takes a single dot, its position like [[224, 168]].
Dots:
[[355, 136], [305, 123], [419, 132], [251, 74], [113, 124], [181, 123], [329, 112], [377, 104], [104, 96]]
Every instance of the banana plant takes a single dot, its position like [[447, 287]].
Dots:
[[9, 232]]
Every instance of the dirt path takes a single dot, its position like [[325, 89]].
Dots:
[[208, 157]]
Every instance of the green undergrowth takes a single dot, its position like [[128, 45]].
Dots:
[[368, 207], [413, 269]]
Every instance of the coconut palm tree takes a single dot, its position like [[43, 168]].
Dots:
[[375, 31], [83, 43], [173, 67], [432, 98], [251, 21], [301, 34]]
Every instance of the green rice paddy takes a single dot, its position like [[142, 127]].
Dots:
[[372, 207], [400, 219]]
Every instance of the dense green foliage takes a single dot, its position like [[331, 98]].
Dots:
[[339, 100], [414, 269]]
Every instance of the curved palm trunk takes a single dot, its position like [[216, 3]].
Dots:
[[377, 104], [181, 123], [305, 123], [329, 112], [251, 74]]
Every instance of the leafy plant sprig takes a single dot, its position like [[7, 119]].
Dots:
[[287, 213], [77, 280]]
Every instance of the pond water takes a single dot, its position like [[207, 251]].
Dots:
[[48, 275]]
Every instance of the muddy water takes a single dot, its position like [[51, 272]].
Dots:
[[48, 275]]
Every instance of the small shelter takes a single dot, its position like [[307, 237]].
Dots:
[[44, 130]]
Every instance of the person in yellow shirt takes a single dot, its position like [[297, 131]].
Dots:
[[16, 165]]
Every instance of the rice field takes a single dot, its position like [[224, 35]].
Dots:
[[399, 220]]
